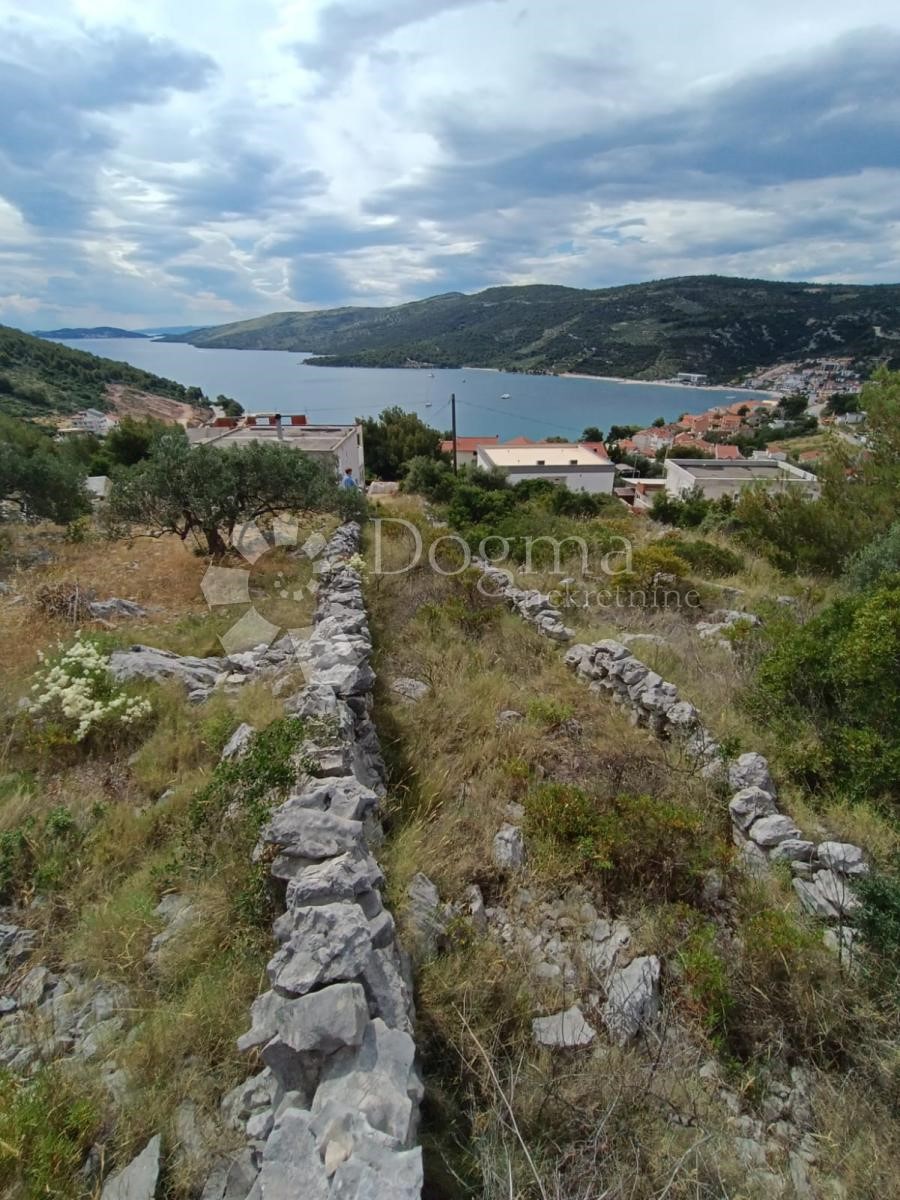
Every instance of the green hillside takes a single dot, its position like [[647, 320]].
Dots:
[[39, 378], [711, 323]]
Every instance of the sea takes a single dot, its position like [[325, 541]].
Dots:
[[487, 402]]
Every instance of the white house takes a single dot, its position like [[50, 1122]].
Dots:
[[343, 443], [89, 420], [576, 467], [716, 479]]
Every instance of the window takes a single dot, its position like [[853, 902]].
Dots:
[[541, 462], [573, 462]]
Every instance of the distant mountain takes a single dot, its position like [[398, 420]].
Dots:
[[165, 330], [99, 331], [715, 324], [40, 378]]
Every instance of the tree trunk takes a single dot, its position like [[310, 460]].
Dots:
[[215, 542]]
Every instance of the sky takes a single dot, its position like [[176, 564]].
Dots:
[[164, 162]]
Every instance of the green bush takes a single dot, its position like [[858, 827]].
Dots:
[[879, 918], [832, 688], [706, 558], [875, 562]]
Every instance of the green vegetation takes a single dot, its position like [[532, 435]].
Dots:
[[394, 439], [208, 492], [714, 324], [38, 476], [39, 378]]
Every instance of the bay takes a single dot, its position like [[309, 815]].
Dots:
[[488, 402]]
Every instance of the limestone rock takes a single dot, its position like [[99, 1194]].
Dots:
[[751, 770], [308, 833], [843, 858], [116, 607], [567, 1028], [749, 805], [425, 915], [792, 850], [509, 848], [291, 1165], [239, 742], [137, 1181], [343, 877], [769, 831], [146, 662], [632, 1001], [330, 942], [378, 1078]]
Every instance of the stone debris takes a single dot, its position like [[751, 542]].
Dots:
[[563, 1029], [534, 606], [116, 607], [239, 742]]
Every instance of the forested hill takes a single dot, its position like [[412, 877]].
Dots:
[[96, 331], [709, 323], [39, 378]]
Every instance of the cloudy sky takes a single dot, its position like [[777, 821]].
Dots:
[[166, 162]]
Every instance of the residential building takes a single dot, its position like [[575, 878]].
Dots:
[[657, 437], [717, 479], [467, 448], [98, 487], [714, 449], [692, 378], [342, 443], [89, 420], [574, 466]]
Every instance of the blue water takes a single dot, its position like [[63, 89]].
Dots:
[[538, 405]]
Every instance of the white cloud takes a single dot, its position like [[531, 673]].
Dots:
[[231, 159]]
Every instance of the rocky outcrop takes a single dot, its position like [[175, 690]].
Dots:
[[334, 1112]]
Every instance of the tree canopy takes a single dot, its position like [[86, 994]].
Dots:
[[394, 438], [37, 476], [207, 492]]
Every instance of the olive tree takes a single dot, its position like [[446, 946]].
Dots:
[[207, 493]]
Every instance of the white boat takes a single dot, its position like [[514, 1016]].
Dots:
[[505, 396]]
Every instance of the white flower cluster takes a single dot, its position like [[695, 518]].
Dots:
[[356, 562], [79, 687]]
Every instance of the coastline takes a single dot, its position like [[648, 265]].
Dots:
[[705, 387]]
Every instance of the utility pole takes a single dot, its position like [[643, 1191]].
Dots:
[[453, 418]]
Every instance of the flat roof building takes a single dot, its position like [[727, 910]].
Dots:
[[344, 443], [715, 479], [575, 466]]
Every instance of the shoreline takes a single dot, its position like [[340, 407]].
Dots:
[[670, 383]]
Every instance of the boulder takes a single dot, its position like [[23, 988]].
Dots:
[[632, 1000], [323, 1021], [329, 942], [410, 690], [116, 607], [341, 795], [837, 891], [751, 770], [751, 804], [137, 1181], [792, 850], [301, 832], [387, 988], [567, 1028], [145, 662], [842, 857], [509, 848], [769, 831]]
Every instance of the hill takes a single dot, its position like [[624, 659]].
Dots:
[[714, 324], [99, 331], [40, 378]]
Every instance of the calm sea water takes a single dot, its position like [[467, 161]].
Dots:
[[535, 405]]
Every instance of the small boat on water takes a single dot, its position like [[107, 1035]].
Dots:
[[505, 396]]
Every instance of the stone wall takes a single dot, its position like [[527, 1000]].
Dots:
[[823, 871], [334, 1111]]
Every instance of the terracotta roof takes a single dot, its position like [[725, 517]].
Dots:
[[519, 441], [728, 452], [597, 447], [468, 445]]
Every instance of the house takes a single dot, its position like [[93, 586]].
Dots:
[[342, 443], [714, 449], [467, 448], [598, 448], [715, 479], [648, 441], [692, 378], [89, 420], [575, 467]]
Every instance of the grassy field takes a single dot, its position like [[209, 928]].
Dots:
[[616, 822]]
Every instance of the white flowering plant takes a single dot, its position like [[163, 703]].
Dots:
[[75, 691], [357, 563]]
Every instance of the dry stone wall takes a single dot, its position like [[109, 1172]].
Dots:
[[823, 872], [334, 1111]]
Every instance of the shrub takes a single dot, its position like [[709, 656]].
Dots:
[[705, 980], [879, 918], [431, 478], [77, 697], [875, 562], [706, 558]]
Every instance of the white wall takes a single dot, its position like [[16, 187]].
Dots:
[[596, 482]]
